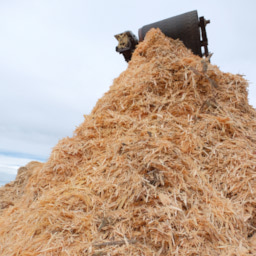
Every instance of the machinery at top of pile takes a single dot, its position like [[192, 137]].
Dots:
[[187, 27]]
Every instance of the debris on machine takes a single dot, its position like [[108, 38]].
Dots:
[[163, 165]]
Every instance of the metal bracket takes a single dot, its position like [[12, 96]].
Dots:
[[204, 41]]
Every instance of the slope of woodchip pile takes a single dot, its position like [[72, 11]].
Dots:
[[164, 165]]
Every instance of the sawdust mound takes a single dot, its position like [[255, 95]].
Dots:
[[164, 165], [11, 193]]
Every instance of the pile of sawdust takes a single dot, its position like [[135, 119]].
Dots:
[[13, 191], [164, 165]]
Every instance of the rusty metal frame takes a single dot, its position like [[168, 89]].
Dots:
[[204, 41]]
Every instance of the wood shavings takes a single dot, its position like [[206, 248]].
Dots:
[[165, 164]]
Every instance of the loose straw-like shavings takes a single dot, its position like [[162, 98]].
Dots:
[[164, 165]]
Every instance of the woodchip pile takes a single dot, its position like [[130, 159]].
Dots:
[[165, 164]]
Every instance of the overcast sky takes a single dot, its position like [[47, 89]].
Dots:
[[57, 57]]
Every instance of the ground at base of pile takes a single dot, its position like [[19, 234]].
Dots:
[[164, 165]]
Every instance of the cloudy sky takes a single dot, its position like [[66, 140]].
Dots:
[[57, 57]]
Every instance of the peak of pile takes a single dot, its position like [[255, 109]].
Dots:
[[165, 164]]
